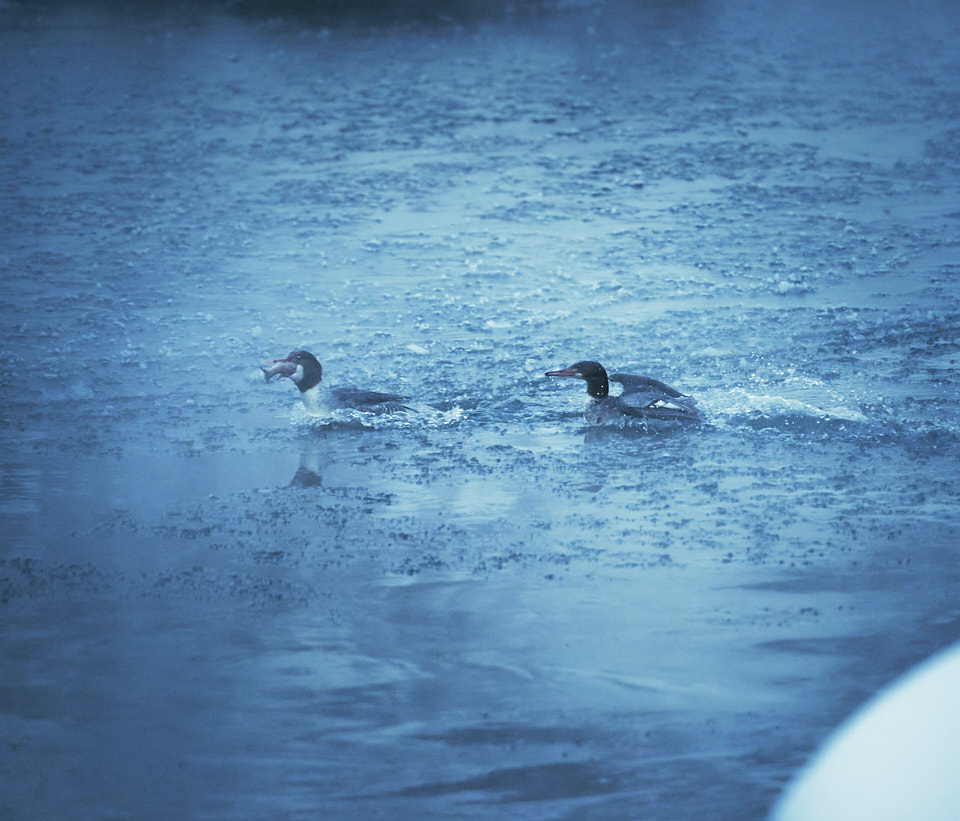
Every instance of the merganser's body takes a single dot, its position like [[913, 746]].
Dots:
[[642, 396], [306, 372]]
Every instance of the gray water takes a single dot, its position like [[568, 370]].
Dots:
[[214, 606]]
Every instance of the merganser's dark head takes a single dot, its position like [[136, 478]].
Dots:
[[300, 366], [591, 372]]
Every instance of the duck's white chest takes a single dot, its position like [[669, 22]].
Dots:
[[315, 401], [596, 411]]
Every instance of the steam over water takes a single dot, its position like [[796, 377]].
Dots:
[[214, 605]]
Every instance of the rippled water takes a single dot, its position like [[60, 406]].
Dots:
[[216, 606]]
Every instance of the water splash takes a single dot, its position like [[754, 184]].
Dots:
[[774, 403], [419, 416]]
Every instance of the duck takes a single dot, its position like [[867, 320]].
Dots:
[[642, 398], [306, 372]]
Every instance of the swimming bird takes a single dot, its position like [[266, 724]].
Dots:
[[642, 397], [306, 372]]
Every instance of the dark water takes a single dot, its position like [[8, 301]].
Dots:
[[215, 606]]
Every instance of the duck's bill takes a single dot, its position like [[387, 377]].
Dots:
[[563, 372], [277, 367]]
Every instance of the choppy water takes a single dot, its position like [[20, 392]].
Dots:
[[214, 606]]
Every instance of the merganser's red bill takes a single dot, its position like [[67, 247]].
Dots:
[[571, 371]]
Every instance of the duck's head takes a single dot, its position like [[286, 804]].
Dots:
[[591, 372], [300, 366]]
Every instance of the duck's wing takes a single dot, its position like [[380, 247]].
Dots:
[[633, 383], [655, 404], [369, 401]]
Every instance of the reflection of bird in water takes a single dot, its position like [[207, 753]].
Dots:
[[308, 473], [306, 372], [642, 397]]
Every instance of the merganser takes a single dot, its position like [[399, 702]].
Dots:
[[642, 397], [306, 372]]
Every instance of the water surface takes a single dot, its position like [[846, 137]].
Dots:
[[215, 606]]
